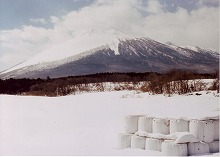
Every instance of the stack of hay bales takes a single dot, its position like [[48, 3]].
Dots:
[[179, 125], [137, 142], [203, 130], [145, 124], [206, 131], [131, 123], [153, 144], [124, 140], [214, 146], [177, 137], [198, 148], [170, 148], [130, 127], [216, 130], [161, 126]]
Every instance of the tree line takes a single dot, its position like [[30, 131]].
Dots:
[[180, 82], [174, 81]]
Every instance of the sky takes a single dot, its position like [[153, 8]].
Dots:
[[28, 27]]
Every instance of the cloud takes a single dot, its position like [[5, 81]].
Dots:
[[135, 17], [154, 7], [39, 20], [198, 27]]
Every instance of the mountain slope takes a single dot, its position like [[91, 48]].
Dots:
[[108, 50]]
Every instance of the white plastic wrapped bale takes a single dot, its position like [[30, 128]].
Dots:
[[169, 148], [209, 133], [179, 125], [145, 124], [161, 126], [137, 142], [153, 144], [216, 129], [198, 148], [203, 130], [214, 147], [131, 123], [124, 140]]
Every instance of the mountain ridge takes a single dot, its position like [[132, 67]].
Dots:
[[109, 50]]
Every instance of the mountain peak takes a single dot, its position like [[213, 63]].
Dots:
[[95, 38], [104, 31]]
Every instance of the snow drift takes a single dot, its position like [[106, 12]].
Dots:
[[70, 125]]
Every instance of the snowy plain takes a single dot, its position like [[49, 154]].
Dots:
[[88, 124]]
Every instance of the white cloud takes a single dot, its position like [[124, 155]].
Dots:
[[135, 17], [199, 27], [154, 7]]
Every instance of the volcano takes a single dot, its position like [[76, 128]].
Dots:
[[102, 50]]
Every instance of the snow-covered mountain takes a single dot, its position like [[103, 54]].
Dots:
[[109, 50]]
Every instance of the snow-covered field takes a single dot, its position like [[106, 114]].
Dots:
[[87, 124]]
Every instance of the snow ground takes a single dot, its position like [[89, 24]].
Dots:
[[87, 124]]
